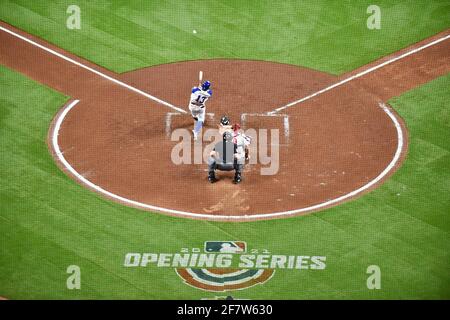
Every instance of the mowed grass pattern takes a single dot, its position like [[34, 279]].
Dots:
[[330, 36], [48, 222]]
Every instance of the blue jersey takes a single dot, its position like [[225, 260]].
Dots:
[[199, 97]]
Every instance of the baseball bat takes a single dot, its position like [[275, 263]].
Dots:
[[200, 78]]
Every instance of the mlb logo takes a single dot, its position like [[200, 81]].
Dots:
[[226, 246]]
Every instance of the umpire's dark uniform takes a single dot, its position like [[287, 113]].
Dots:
[[225, 159]]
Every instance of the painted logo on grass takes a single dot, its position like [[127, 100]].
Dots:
[[224, 265], [224, 279]]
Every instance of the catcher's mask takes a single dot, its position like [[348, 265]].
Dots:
[[224, 121]]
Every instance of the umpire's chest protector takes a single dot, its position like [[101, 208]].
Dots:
[[226, 151]]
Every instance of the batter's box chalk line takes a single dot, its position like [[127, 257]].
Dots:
[[169, 115], [284, 117]]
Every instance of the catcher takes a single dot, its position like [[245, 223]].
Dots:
[[225, 125], [241, 140]]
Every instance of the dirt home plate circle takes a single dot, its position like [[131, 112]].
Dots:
[[332, 147]]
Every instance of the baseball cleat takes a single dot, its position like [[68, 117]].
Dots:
[[237, 179], [212, 177]]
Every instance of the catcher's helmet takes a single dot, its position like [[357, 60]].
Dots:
[[205, 85], [224, 121], [227, 136]]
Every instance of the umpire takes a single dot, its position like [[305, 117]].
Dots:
[[226, 157]]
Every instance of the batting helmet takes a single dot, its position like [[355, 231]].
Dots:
[[224, 121], [236, 126], [205, 85]]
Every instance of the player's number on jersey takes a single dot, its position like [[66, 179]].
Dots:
[[201, 99]]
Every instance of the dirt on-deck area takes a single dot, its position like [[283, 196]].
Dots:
[[338, 141]]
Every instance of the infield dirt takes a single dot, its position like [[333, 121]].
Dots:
[[338, 141]]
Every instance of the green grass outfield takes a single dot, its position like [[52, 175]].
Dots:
[[48, 222], [325, 35]]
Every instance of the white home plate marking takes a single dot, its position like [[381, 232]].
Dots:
[[284, 117], [88, 183], [170, 115]]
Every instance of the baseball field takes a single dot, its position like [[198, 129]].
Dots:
[[93, 206]]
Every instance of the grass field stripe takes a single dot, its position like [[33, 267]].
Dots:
[[358, 75], [118, 82], [391, 165]]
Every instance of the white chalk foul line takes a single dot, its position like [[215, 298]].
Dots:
[[284, 116], [66, 164], [358, 75], [118, 82]]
